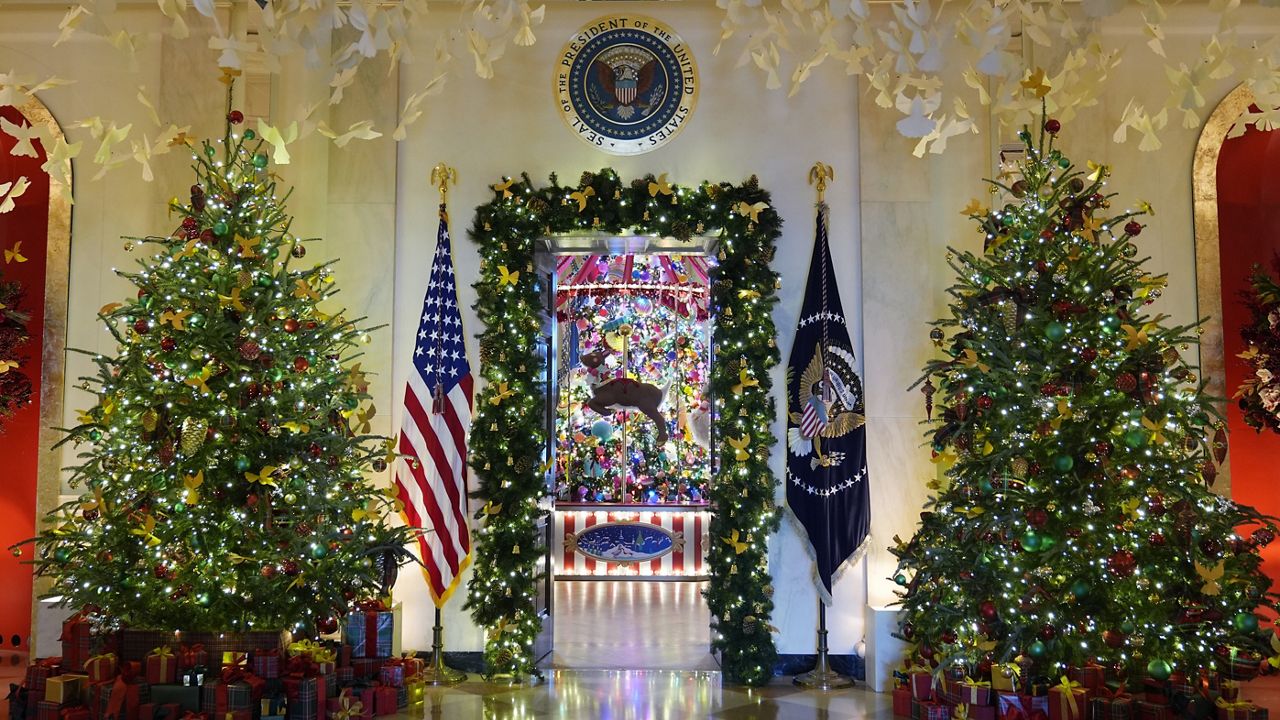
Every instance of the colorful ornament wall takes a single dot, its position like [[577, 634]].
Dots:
[[20, 448], [1249, 233]]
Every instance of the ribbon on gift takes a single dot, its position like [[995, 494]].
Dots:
[[236, 674], [302, 666], [900, 678], [192, 715], [235, 659], [303, 647], [53, 663], [189, 655], [348, 708], [1226, 704], [971, 688], [372, 605], [1067, 688], [100, 668], [124, 693], [165, 655], [1120, 693]]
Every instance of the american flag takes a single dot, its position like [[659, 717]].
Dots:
[[432, 481]]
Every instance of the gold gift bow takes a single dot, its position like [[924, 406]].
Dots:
[[163, 651], [1010, 669], [318, 652], [349, 709], [961, 712], [1067, 686], [1233, 705]]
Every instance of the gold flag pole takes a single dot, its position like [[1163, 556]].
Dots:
[[436, 672], [822, 677]]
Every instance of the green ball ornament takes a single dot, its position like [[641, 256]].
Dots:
[[203, 599], [1135, 438], [95, 435], [250, 135], [1063, 463], [273, 253], [1047, 542], [319, 551], [352, 402], [1037, 649], [277, 374], [1055, 331], [196, 320], [1110, 323], [1245, 622], [1064, 163], [264, 280], [221, 229], [242, 463], [1127, 627], [900, 579], [1079, 588], [1159, 669], [985, 485], [179, 507], [62, 554], [1030, 541], [1027, 234], [210, 150], [260, 160]]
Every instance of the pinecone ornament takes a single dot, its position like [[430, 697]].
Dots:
[[1008, 315], [244, 279], [150, 418], [250, 350], [750, 625], [680, 230], [193, 435], [503, 658]]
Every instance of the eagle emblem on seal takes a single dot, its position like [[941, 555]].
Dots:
[[829, 396], [627, 74]]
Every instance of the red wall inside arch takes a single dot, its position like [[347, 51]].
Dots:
[[20, 449], [1249, 232]]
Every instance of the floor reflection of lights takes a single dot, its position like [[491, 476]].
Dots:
[[626, 624]]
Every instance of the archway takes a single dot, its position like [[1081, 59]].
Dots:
[[509, 442]]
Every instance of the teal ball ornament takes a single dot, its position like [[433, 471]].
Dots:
[[260, 160], [221, 228], [1135, 438], [1159, 669], [319, 551], [62, 554], [1127, 627], [1063, 463], [250, 135], [264, 279], [179, 507], [1245, 622], [1055, 331], [242, 463], [1110, 323], [1079, 588], [1037, 649], [1030, 541], [900, 579], [1064, 163], [603, 430]]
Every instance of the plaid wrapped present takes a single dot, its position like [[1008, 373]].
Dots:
[[187, 698], [227, 695], [921, 683], [1239, 710], [965, 711], [345, 676], [306, 698], [1143, 710], [1039, 686], [48, 710], [194, 676], [902, 702], [38, 675], [122, 698], [75, 712], [402, 697], [330, 684], [392, 673], [1229, 690], [1091, 676], [369, 633], [101, 668], [1112, 704], [1068, 701], [65, 689], [930, 711], [366, 668], [384, 701], [17, 699], [1155, 692], [162, 666], [77, 641], [159, 711], [265, 663], [193, 655], [1013, 706], [972, 692]]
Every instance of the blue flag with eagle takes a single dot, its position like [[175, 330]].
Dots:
[[826, 434]]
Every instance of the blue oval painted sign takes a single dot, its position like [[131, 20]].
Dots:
[[622, 542]]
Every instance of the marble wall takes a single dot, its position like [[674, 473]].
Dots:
[[892, 218]]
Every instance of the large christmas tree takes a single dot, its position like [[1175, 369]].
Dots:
[[223, 464], [15, 386], [1075, 523]]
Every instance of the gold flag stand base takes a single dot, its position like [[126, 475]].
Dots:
[[822, 677], [436, 672]]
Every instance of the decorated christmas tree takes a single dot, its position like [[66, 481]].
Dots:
[[15, 386], [222, 466], [1075, 523], [1259, 394]]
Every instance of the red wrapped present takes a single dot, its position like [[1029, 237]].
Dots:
[[122, 698], [1143, 710], [348, 706], [1230, 690], [48, 710], [392, 673], [1111, 704], [192, 715], [345, 675], [162, 666], [921, 684], [159, 711], [343, 657], [265, 663], [412, 663], [77, 641], [384, 701], [370, 633], [1013, 706], [923, 710], [1239, 710], [76, 712], [366, 668], [192, 656], [366, 698], [902, 702], [1155, 692], [101, 668], [1068, 701], [965, 711], [306, 697], [972, 692], [65, 689], [39, 673], [1090, 677]]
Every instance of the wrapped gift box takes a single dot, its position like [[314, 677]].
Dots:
[[902, 702], [391, 674], [1155, 692], [186, 697], [921, 684], [972, 692], [1004, 677], [417, 687], [17, 699], [925, 710], [349, 706], [384, 701], [1013, 706], [77, 642], [345, 676], [159, 711], [221, 697], [192, 656], [371, 633], [1240, 710], [1112, 705], [101, 668], [121, 699], [402, 697], [66, 689], [975, 712], [38, 675], [1067, 702], [306, 698], [1091, 676], [366, 668], [364, 696], [162, 666], [47, 710], [1143, 710], [265, 663]]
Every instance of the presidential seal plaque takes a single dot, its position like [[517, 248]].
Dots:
[[626, 84]]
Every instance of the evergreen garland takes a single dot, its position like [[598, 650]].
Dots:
[[15, 386], [508, 437]]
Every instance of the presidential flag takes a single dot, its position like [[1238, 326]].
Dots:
[[826, 437], [432, 479]]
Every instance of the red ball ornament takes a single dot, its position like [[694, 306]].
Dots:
[[1048, 389], [1042, 266], [1211, 547], [250, 350], [987, 609], [1263, 536], [189, 223], [1122, 563], [1156, 539], [235, 117], [948, 637], [1052, 126], [985, 402], [327, 625], [1037, 517], [1048, 632], [141, 326], [1133, 227], [1113, 638], [268, 571], [1155, 505], [315, 450], [301, 364], [1102, 449], [926, 652], [1088, 355], [291, 325], [160, 571], [251, 501], [290, 567], [908, 631], [168, 344]]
